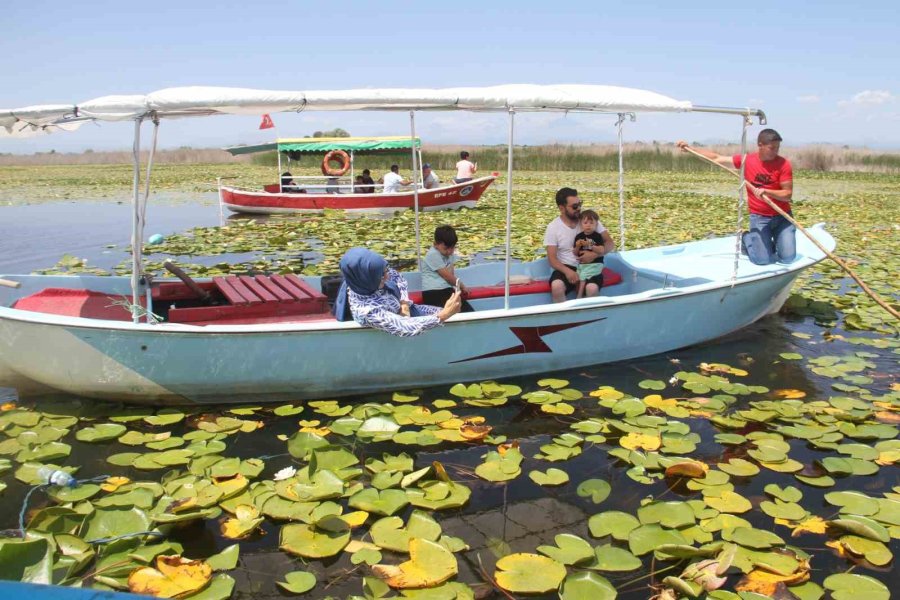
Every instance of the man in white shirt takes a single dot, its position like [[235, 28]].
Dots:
[[393, 181], [429, 179], [559, 239]]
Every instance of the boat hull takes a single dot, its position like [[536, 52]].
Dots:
[[459, 195], [219, 364]]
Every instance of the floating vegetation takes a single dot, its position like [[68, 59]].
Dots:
[[360, 492]]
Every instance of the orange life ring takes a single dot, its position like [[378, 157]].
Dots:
[[338, 155]]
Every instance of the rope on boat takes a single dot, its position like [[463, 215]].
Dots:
[[843, 265]]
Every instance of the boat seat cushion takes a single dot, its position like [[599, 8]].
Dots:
[[610, 277]]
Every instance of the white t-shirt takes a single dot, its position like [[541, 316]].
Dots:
[[563, 237], [392, 182]]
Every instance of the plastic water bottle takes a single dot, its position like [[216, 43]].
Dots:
[[49, 475]]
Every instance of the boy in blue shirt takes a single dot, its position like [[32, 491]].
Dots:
[[438, 277]]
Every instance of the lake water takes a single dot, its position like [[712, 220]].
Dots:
[[517, 516]]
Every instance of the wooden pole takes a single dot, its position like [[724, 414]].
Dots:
[[872, 294], [11, 284]]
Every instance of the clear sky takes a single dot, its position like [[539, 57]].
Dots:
[[824, 71]]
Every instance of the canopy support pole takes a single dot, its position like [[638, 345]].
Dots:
[[619, 123], [352, 178], [415, 181], [747, 121], [509, 184], [280, 188], [135, 223], [144, 280]]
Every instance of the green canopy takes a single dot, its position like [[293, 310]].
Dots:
[[358, 145]]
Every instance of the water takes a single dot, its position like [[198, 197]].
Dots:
[[520, 514]]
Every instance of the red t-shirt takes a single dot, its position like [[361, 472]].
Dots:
[[768, 175]]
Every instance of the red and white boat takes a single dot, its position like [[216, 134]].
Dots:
[[337, 188]]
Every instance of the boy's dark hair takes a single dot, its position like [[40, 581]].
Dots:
[[563, 194], [767, 136], [590, 214], [445, 235], [395, 168], [464, 155], [366, 172]]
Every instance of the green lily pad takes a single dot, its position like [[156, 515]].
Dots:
[[29, 561], [298, 582], [855, 503], [850, 586], [647, 538], [668, 514], [861, 526], [787, 494], [309, 542], [587, 586], [114, 522], [226, 559], [758, 539], [100, 433], [384, 502], [549, 478], [529, 573], [615, 523], [597, 490], [611, 558], [569, 550]]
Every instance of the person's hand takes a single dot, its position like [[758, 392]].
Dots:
[[587, 256], [758, 192], [453, 305], [683, 145], [572, 276], [404, 309]]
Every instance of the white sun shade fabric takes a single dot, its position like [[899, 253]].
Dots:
[[202, 101]]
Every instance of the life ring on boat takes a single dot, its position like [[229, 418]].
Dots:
[[338, 155]]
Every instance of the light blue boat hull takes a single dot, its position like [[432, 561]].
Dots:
[[671, 297]]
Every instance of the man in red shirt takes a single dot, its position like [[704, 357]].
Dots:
[[771, 237]]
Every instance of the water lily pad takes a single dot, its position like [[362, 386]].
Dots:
[[855, 503], [551, 477], [529, 573], [597, 490], [113, 522], [246, 520], [850, 586], [298, 582], [739, 467], [615, 523], [611, 558], [384, 502], [30, 560], [757, 539], [225, 560], [729, 502], [587, 586], [647, 538], [569, 550], [673, 515], [861, 526], [429, 564], [100, 433], [174, 576], [310, 542]]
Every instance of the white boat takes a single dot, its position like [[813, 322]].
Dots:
[[273, 337]]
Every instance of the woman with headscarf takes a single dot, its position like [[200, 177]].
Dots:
[[375, 295]]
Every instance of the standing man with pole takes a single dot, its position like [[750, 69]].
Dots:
[[771, 237]]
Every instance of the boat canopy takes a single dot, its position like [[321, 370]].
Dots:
[[357, 145], [205, 101]]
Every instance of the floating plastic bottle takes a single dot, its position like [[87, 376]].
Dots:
[[49, 475]]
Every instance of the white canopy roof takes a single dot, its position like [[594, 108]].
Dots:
[[203, 101]]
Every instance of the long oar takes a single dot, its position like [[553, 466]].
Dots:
[[872, 294], [8, 283]]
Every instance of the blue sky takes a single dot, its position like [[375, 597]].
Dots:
[[823, 71]]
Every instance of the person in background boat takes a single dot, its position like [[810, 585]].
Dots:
[[368, 181], [288, 185], [595, 241], [393, 180], [559, 239], [358, 185], [465, 169], [771, 237], [375, 295], [430, 180], [439, 281]]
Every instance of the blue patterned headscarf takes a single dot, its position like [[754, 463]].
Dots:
[[363, 271]]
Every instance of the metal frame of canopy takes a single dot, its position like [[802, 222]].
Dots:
[[139, 110]]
